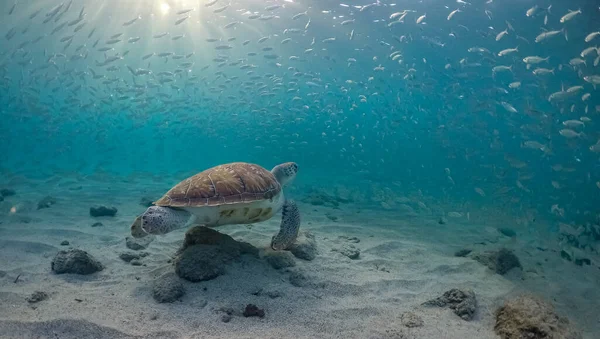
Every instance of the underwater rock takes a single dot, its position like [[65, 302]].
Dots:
[[410, 319], [46, 202], [7, 192], [103, 211], [305, 246], [280, 259], [167, 288], [75, 261], [349, 251], [565, 255], [442, 221], [64, 243], [1, 198], [462, 253], [299, 279], [463, 303], [500, 261], [532, 318], [253, 311], [97, 224], [136, 262], [509, 232], [138, 244], [146, 202], [226, 318], [129, 256], [582, 261], [353, 240], [37, 296], [201, 262], [201, 235]]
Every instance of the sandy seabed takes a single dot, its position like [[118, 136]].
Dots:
[[404, 261]]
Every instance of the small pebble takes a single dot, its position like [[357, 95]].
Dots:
[[64, 243], [97, 224], [226, 318]]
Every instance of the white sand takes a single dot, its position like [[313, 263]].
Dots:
[[343, 298]]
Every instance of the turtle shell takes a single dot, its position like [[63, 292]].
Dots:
[[233, 183]]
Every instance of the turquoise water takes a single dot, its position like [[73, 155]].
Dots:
[[355, 96]]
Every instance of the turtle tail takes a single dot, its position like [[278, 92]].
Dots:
[[288, 230]]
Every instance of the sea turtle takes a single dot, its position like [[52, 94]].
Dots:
[[236, 193]]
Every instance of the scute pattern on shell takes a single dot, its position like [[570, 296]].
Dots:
[[224, 184]]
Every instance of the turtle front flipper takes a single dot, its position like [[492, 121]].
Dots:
[[288, 230], [162, 220]]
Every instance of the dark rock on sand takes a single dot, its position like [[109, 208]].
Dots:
[[409, 319], [565, 255], [305, 246], [532, 318], [7, 192], [75, 261], [500, 261], [46, 202], [582, 261], [201, 235], [129, 256], [463, 303], [462, 253], [97, 224], [64, 243], [138, 244], [146, 202], [103, 211], [349, 251], [167, 288], [37, 296], [253, 311], [201, 262], [509, 232], [280, 259], [353, 240], [226, 318]]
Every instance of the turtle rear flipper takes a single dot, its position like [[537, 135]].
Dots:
[[288, 230]]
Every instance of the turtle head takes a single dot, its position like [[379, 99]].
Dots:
[[285, 172], [136, 228], [162, 220]]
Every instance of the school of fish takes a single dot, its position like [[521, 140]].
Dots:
[[504, 102]]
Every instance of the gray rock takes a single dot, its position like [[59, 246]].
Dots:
[[409, 319], [349, 251], [298, 279], [64, 243], [305, 246], [200, 235], [75, 261], [226, 318], [462, 253], [129, 256], [500, 261], [280, 259], [167, 288], [7, 192], [509, 232], [46, 202], [37, 296], [97, 224], [138, 244], [532, 318], [103, 211], [201, 262], [205, 252], [463, 303]]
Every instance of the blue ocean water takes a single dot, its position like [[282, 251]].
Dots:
[[407, 96]]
